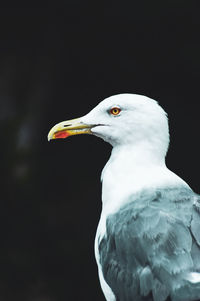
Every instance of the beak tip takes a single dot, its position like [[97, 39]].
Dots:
[[49, 137]]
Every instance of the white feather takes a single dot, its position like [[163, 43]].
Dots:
[[193, 277]]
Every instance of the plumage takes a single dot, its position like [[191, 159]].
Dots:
[[147, 245]]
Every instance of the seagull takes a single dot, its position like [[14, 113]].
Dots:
[[147, 244]]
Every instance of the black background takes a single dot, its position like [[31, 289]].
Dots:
[[57, 63]]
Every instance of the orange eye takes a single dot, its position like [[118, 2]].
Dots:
[[115, 111]]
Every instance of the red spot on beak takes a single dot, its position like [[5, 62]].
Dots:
[[61, 134]]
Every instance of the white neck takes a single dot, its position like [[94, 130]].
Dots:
[[131, 169]]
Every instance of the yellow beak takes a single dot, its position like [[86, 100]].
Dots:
[[68, 128]]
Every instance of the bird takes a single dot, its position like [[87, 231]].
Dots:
[[147, 244]]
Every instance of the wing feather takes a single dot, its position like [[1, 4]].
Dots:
[[151, 246]]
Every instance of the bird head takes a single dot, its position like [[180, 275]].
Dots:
[[124, 119]]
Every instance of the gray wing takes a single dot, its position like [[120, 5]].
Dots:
[[152, 247]]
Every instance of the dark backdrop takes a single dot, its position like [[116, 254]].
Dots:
[[56, 63]]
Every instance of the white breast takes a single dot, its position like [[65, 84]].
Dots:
[[123, 177]]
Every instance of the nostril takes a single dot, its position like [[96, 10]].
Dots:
[[67, 125]]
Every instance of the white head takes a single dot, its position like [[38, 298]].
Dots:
[[124, 119]]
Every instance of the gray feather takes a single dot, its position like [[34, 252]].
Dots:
[[151, 244]]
